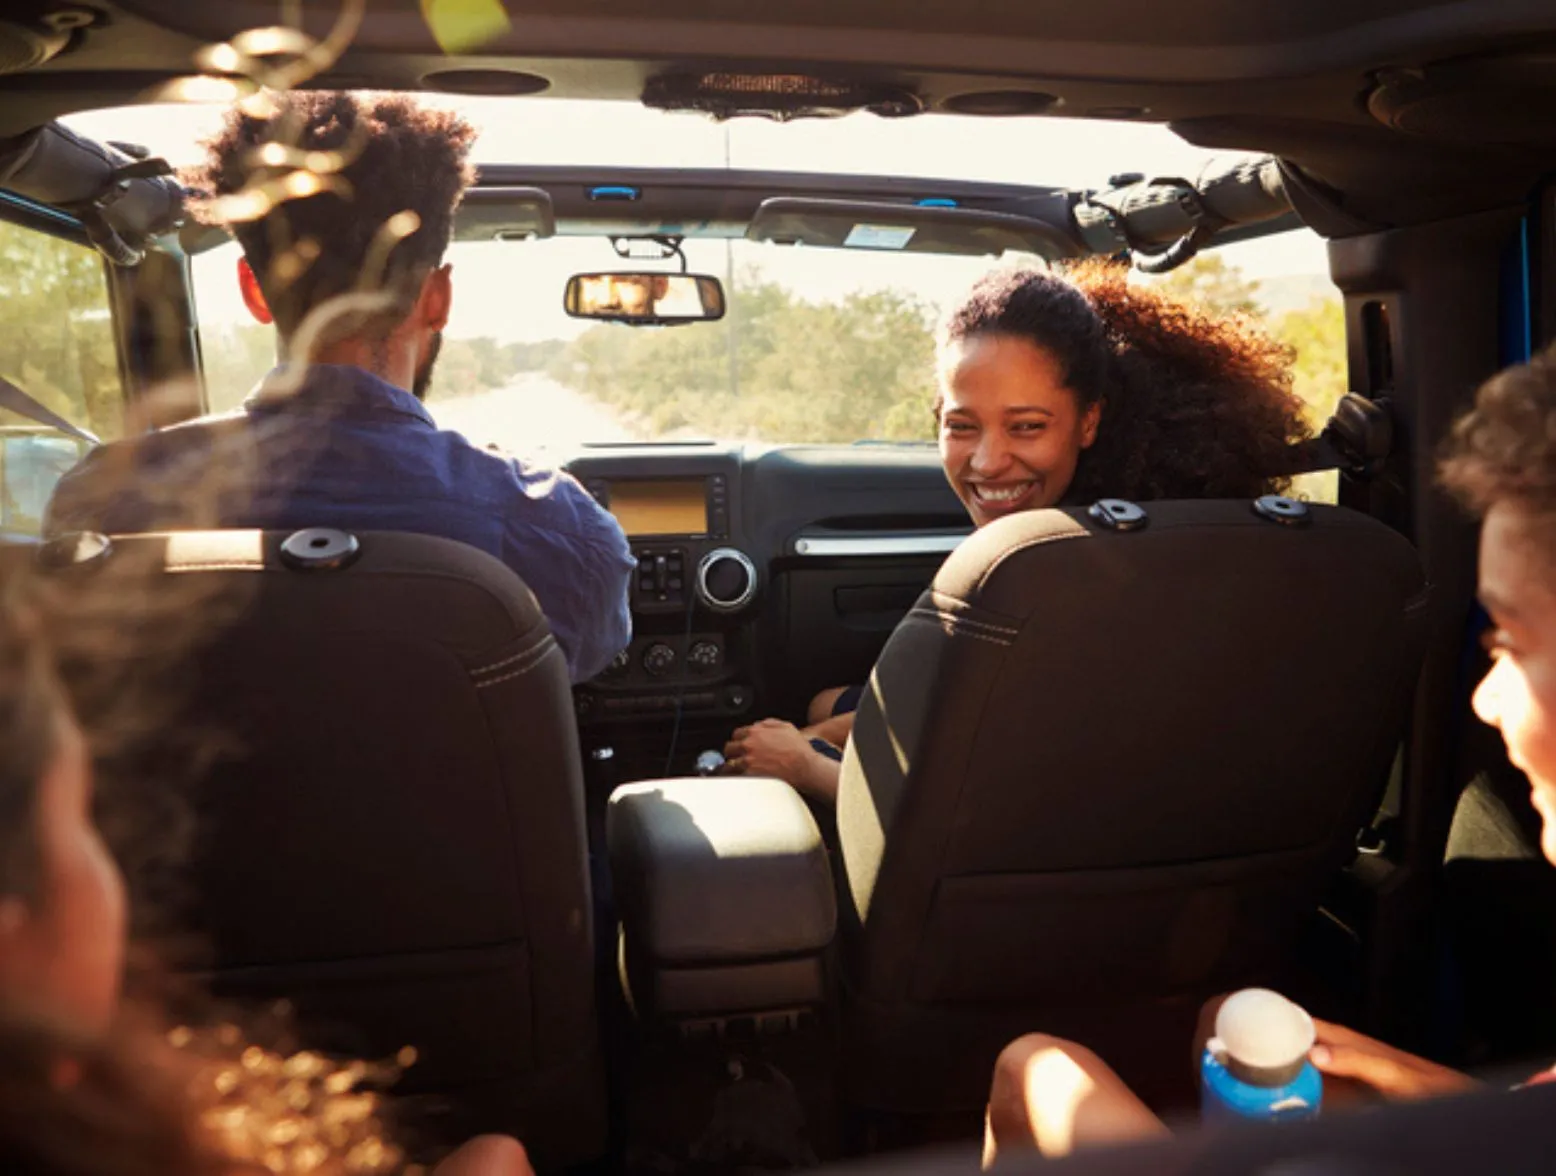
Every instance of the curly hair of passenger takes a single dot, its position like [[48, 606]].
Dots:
[[84, 1108], [320, 175], [1505, 447], [1194, 404], [183, 1103]]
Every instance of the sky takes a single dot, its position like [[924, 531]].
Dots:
[[512, 291]]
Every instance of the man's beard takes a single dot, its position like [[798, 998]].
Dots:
[[424, 373]]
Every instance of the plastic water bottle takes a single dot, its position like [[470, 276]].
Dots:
[[1256, 1066]]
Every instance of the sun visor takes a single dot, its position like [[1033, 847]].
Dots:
[[905, 228], [505, 214]]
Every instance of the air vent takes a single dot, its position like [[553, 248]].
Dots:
[[503, 83], [1507, 100], [1002, 103], [780, 97]]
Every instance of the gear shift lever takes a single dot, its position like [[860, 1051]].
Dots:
[[709, 763]]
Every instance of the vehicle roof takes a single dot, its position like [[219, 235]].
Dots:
[[1412, 109]]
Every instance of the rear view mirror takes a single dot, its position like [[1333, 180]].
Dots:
[[645, 299]]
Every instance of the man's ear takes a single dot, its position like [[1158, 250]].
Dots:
[[436, 299], [253, 296]]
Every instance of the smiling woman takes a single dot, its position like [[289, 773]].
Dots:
[[1011, 429], [1065, 389], [1071, 388]]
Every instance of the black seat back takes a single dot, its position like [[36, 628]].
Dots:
[[395, 839], [1098, 770]]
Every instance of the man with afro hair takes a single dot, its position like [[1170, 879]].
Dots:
[[343, 205]]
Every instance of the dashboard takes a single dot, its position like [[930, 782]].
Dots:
[[763, 575]]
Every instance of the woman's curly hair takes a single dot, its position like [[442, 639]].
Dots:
[[1505, 447], [1194, 405]]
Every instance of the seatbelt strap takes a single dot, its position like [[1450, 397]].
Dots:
[[22, 403], [1313, 456], [1357, 439]]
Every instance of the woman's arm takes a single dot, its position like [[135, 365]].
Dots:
[[1393, 1073], [834, 730]]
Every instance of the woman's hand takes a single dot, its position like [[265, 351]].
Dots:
[[1393, 1073], [775, 748]]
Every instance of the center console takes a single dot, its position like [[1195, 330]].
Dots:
[[725, 896], [691, 652]]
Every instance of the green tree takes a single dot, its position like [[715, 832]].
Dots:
[[1212, 283], [779, 367], [58, 338], [1316, 337]]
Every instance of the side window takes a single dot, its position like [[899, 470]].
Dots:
[[1282, 282], [235, 351], [58, 346]]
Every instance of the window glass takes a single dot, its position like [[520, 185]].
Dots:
[[1294, 301], [58, 346], [235, 349], [818, 345]]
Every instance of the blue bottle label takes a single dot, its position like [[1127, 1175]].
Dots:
[[1224, 1096]]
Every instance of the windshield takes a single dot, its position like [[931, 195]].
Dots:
[[818, 346]]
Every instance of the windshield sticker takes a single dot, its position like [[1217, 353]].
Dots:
[[879, 237]]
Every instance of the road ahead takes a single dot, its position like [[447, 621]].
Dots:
[[532, 412]]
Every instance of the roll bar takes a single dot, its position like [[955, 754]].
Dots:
[[122, 196], [1161, 223]]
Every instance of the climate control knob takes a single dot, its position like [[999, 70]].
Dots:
[[705, 655], [658, 659], [726, 580]]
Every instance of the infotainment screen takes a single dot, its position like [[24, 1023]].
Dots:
[[660, 508]]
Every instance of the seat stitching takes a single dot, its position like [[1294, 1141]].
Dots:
[[509, 676], [540, 653], [958, 620], [1038, 541], [508, 661], [958, 629], [529, 657]]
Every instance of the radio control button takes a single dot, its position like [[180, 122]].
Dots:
[[658, 659]]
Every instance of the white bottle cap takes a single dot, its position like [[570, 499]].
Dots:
[[1263, 1030]]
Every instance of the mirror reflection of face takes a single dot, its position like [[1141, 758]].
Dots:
[[645, 296], [597, 293], [1011, 432], [636, 296], [1518, 694]]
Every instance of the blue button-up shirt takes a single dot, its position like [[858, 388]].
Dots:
[[349, 450]]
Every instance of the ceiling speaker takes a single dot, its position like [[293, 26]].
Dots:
[[1506, 100], [24, 45]]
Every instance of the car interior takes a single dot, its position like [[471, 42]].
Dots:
[[1110, 759]]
